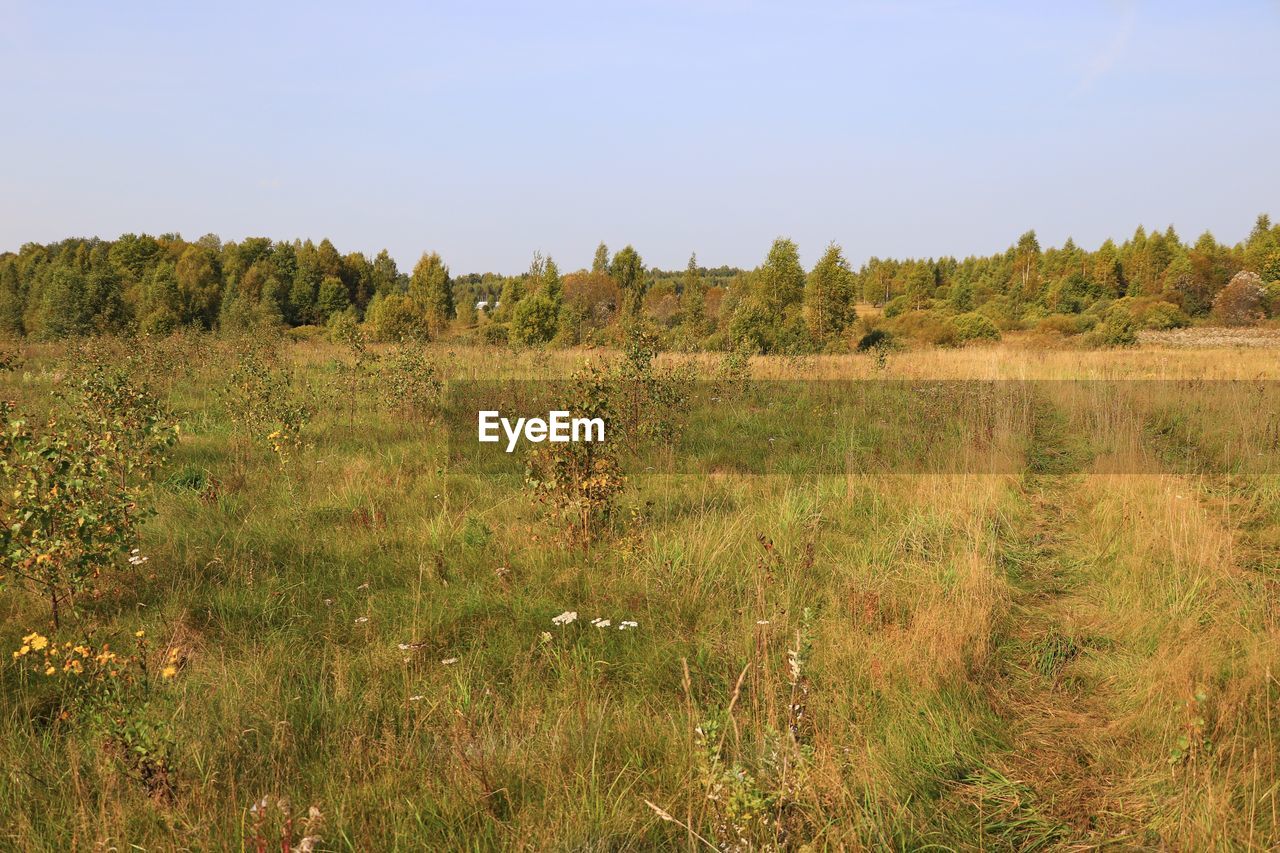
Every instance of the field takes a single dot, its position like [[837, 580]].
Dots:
[[350, 642]]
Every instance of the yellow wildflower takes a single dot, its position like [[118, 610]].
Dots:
[[50, 671], [169, 671], [140, 634]]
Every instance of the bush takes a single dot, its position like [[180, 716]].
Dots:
[[928, 327], [533, 322], [1152, 313], [976, 327], [306, 333], [897, 306], [1067, 324], [1117, 329], [495, 334], [1241, 302], [394, 318], [875, 339], [1273, 299], [1002, 311], [1163, 315]]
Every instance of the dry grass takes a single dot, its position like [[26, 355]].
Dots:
[[1000, 661]]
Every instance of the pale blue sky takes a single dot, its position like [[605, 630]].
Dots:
[[488, 130]]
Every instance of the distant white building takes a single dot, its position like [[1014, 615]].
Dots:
[[482, 305]]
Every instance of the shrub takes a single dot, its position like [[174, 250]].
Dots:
[[928, 327], [72, 493], [263, 404], [1162, 315], [408, 381], [1117, 329], [303, 334], [1241, 302], [534, 320], [1003, 312], [734, 371], [976, 327], [897, 306], [495, 334], [652, 400], [65, 514], [580, 481], [1273, 299], [875, 339], [1067, 324], [394, 318]]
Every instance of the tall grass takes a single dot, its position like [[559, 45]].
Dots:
[[1008, 660]]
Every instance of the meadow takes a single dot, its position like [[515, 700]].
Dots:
[[334, 635]]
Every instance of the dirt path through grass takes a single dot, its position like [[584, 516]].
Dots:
[[1052, 788]]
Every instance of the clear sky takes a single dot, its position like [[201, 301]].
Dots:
[[487, 130]]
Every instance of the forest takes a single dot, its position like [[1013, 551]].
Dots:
[[156, 285]]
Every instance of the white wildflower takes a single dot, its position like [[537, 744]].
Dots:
[[545, 636], [601, 623], [565, 618], [627, 624], [449, 661], [417, 698], [362, 620]]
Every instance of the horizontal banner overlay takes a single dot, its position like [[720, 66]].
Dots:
[[870, 426]]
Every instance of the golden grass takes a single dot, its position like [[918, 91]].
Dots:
[[999, 661]]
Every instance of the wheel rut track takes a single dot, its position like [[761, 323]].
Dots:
[[1057, 722]]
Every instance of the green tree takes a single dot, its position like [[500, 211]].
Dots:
[[828, 296], [385, 276], [693, 298], [628, 271], [922, 282], [552, 285], [600, 263], [534, 320], [1027, 265], [199, 284], [59, 305], [431, 290], [332, 298], [780, 282]]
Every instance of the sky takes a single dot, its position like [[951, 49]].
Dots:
[[488, 130]]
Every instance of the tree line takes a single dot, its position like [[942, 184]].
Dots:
[[156, 285]]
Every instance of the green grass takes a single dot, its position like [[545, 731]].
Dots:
[[941, 641]]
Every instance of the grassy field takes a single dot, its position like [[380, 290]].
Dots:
[[1051, 656]]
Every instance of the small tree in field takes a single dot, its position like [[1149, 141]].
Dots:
[[65, 516], [1242, 301], [580, 481], [71, 493], [409, 382]]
